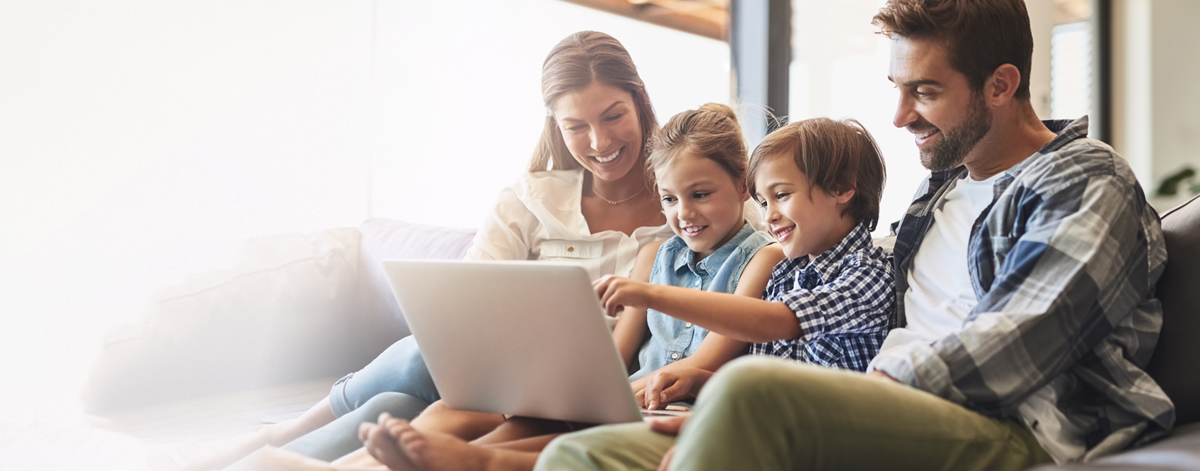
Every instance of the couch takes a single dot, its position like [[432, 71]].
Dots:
[[299, 308]]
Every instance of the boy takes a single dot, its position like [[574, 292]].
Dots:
[[829, 303]]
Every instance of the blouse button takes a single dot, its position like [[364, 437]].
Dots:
[[570, 249], [689, 324], [674, 356]]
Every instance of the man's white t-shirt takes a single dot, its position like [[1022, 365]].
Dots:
[[939, 293]]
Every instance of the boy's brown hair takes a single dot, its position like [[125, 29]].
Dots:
[[835, 156], [979, 35]]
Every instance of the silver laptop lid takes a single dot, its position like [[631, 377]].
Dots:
[[520, 338]]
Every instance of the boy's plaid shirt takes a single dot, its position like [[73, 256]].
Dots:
[[844, 302], [1064, 264]]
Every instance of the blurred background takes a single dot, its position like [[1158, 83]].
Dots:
[[142, 141]]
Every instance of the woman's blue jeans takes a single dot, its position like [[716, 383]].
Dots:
[[400, 368], [396, 382]]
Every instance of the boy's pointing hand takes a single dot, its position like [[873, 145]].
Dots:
[[617, 293]]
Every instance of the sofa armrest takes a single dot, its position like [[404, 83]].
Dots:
[[283, 313], [296, 307], [388, 239]]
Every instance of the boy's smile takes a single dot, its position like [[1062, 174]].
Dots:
[[804, 219]]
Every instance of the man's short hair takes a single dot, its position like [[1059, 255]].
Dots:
[[835, 156], [979, 35]]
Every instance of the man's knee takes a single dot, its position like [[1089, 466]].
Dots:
[[606, 448], [570, 451]]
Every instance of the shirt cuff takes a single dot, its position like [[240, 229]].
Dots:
[[918, 365]]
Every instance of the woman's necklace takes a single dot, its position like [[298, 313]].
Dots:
[[614, 203]]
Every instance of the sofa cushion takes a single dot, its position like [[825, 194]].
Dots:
[[281, 314], [1178, 452], [1176, 361], [388, 239]]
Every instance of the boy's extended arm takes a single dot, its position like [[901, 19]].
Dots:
[[755, 320], [856, 301], [717, 349], [631, 329]]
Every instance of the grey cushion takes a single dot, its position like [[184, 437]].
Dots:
[[388, 239], [1180, 451], [1176, 362]]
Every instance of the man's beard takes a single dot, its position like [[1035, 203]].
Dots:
[[957, 143]]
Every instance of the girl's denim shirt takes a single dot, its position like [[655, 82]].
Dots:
[[671, 339]]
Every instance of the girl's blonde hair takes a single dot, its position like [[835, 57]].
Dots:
[[711, 132], [578, 61]]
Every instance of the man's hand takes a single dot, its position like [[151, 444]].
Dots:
[[665, 464], [668, 385], [617, 292], [670, 427]]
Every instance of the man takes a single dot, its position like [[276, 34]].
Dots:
[[1025, 273]]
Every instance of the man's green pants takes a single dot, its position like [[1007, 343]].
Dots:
[[764, 413]]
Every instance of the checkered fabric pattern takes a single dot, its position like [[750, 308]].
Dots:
[[844, 302], [1064, 264]]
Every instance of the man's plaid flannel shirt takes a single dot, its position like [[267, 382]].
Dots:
[[1064, 264]]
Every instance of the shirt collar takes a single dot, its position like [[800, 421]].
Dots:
[[686, 257], [1067, 131], [828, 264]]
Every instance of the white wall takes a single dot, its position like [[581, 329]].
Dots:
[[142, 141], [468, 112], [1156, 62]]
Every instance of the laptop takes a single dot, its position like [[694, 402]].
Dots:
[[520, 338]]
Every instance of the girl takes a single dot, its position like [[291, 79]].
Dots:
[[699, 164]]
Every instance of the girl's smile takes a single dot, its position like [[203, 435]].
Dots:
[[703, 204]]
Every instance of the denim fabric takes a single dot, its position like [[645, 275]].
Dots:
[[340, 437], [675, 264], [400, 368]]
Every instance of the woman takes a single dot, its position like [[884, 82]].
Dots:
[[585, 200]]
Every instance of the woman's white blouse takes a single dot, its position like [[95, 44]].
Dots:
[[539, 218]]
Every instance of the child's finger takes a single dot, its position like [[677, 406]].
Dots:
[[608, 302], [654, 388]]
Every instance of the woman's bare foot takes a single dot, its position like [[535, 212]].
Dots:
[[436, 451], [383, 445]]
